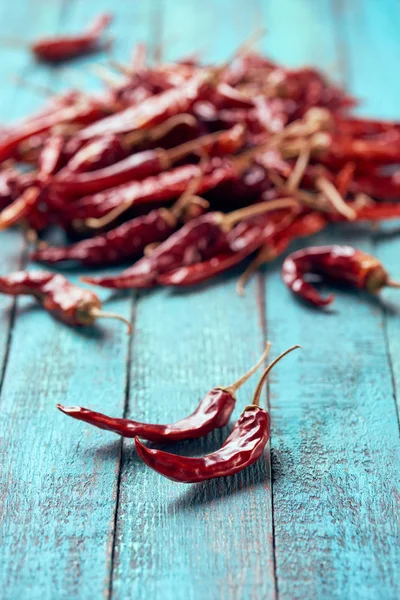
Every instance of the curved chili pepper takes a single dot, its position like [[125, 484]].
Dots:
[[213, 411], [152, 111], [242, 448], [244, 239], [132, 168], [342, 264], [196, 241], [69, 303], [57, 49], [141, 165]]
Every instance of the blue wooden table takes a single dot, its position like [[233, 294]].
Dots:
[[318, 516]]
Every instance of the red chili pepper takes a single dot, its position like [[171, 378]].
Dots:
[[382, 187], [243, 240], [152, 111], [382, 149], [213, 411], [196, 241], [355, 126], [86, 112], [69, 303], [144, 164], [58, 49], [242, 448], [126, 241], [103, 208], [95, 154], [342, 264]]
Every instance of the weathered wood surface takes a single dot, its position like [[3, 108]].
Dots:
[[80, 516]]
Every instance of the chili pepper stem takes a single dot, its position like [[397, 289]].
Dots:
[[393, 284], [332, 194], [99, 314], [234, 217], [232, 389], [257, 393]]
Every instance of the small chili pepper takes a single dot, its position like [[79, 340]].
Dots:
[[342, 264], [58, 49], [69, 303], [198, 240], [213, 411], [20, 208], [242, 448], [152, 111]]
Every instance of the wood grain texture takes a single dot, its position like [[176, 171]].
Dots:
[[58, 479], [212, 540], [335, 442], [80, 517]]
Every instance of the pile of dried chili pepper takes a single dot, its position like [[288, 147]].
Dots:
[[109, 169]]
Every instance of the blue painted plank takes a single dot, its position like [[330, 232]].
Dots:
[[58, 479], [335, 443], [15, 101], [212, 540], [370, 40]]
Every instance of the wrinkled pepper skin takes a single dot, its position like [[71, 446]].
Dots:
[[242, 448]]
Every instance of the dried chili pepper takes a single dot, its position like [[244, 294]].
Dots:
[[152, 111], [196, 241], [101, 209], [58, 49], [341, 264], [95, 154], [126, 241], [213, 411], [242, 448], [243, 240], [87, 111], [68, 302], [141, 165]]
